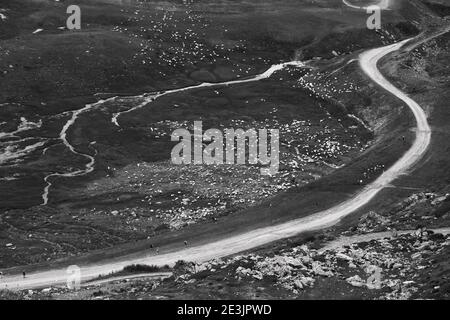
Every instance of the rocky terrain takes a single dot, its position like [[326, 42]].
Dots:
[[394, 267]]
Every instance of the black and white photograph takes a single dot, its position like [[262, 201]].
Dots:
[[222, 155]]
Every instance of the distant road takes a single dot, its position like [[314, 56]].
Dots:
[[383, 4], [258, 237]]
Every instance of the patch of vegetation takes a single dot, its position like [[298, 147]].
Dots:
[[138, 268]]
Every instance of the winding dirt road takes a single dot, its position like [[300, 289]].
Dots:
[[255, 238]]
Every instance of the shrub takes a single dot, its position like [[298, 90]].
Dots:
[[145, 268]]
